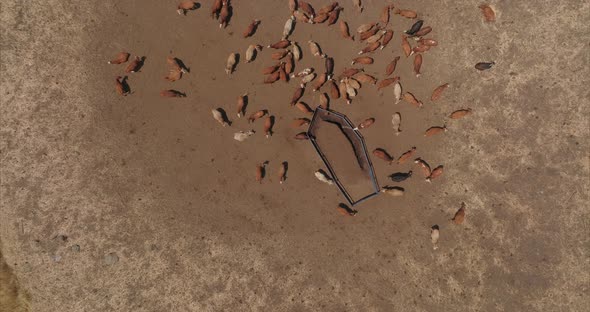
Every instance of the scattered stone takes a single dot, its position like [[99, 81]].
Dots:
[[111, 258], [63, 238]]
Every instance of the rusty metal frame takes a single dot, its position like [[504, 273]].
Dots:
[[342, 189]]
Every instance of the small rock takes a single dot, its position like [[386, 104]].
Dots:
[[76, 248], [26, 267], [111, 258], [56, 258]]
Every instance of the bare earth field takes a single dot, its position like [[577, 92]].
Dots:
[[141, 203]]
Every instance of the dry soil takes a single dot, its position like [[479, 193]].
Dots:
[[139, 203]]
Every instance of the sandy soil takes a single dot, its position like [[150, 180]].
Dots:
[[140, 203]]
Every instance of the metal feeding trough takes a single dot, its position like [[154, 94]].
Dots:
[[343, 151]]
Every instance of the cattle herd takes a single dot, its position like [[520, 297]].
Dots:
[[286, 54]]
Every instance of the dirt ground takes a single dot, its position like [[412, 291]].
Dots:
[[139, 203]]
